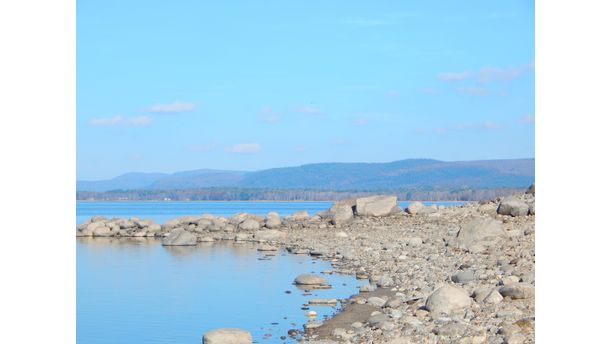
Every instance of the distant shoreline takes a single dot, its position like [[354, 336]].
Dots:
[[254, 201]]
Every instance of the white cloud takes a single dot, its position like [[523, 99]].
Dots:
[[269, 116], [244, 148], [454, 76], [139, 121], [311, 110], [172, 107]]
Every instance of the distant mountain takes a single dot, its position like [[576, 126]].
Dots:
[[403, 174]]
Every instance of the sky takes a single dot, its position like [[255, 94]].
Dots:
[[166, 86]]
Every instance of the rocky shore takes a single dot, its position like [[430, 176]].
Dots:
[[462, 274]]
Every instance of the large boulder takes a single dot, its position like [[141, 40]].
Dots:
[[376, 205], [249, 225], [310, 279], [179, 237], [273, 220], [513, 206], [102, 231], [227, 336], [448, 299], [531, 189], [269, 235], [479, 234], [341, 214]]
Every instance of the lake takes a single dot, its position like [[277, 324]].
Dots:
[[163, 211], [133, 290], [137, 291]]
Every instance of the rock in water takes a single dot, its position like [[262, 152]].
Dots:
[[310, 279], [513, 206], [376, 205], [479, 234], [179, 237], [447, 299], [227, 336], [414, 208]]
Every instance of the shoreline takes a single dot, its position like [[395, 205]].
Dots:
[[406, 258]]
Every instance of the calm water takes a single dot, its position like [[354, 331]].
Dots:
[[163, 211], [137, 291]]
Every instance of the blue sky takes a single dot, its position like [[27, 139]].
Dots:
[[164, 86]]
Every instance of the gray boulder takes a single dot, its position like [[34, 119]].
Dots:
[[518, 291], [310, 279], [463, 277], [249, 225], [513, 206], [273, 220], [479, 234], [376, 205], [179, 237], [227, 336], [341, 214], [448, 299]]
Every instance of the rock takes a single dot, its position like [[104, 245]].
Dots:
[[299, 215], [479, 234], [269, 235], [341, 214], [463, 277], [102, 231], [513, 206], [273, 220], [179, 237], [394, 302], [415, 241], [376, 205], [518, 291], [243, 237], [310, 279], [377, 319], [385, 281], [376, 301], [249, 225], [494, 297], [154, 228], [447, 299], [531, 208], [342, 235], [414, 208], [516, 338], [325, 302], [267, 248], [367, 288], [531, 189], [227, 336]]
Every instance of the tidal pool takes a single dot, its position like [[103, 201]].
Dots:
[[134, 290]]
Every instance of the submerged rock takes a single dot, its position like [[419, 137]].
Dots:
[[227, 336]]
